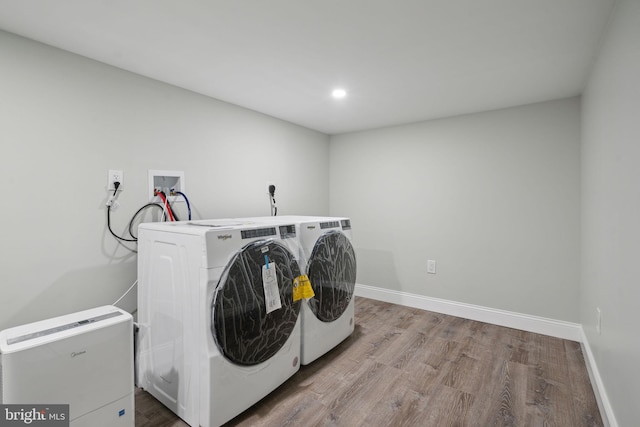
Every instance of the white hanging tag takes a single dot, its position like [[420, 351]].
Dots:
[[270, 283]]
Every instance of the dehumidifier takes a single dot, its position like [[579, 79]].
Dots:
[[83, 359]]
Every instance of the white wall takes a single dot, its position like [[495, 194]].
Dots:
[[611, 211], [65, 120], [492, 197]]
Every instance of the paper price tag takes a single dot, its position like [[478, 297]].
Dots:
[[302, 288], [270, 284]]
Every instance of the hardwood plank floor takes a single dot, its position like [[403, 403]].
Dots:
[[409, 367]]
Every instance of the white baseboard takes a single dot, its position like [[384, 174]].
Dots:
[[606, 410], [525, 322], [539, 325]]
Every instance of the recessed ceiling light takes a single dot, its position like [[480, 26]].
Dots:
[[339, 93]]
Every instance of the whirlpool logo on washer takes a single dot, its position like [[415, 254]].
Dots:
[[225, 236], [78, 353]]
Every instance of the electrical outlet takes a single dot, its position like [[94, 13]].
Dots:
[[115, 176], [431, 266], [598, 320]]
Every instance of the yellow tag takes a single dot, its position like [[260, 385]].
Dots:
[[302, 288]]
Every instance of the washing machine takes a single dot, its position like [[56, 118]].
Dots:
[[328, 258], [218, 327]]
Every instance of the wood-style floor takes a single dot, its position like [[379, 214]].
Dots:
[[409, 367]]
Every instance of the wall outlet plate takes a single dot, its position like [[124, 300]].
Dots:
[[115, 176], [431, 266]]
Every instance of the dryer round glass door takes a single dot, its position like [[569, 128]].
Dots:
[[243, 329], [332, 272]]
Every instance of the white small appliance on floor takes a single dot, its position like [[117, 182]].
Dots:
[[218, 327], [83, 359]]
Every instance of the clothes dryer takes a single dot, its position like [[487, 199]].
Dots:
[[219, 329], [328, 258]]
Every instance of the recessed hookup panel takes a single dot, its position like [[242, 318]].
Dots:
[[167, 181]]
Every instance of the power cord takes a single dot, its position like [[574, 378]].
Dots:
[[125, 294], [272, 200], [111, 202], [135, 215]]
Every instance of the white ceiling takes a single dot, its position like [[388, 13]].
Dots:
[[400, 61]]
